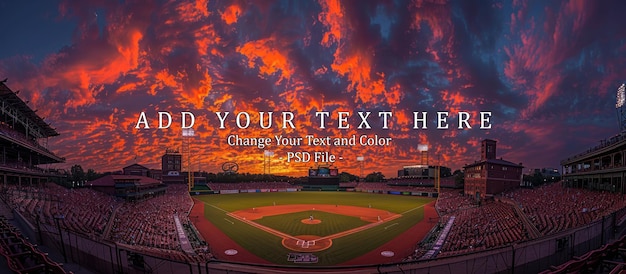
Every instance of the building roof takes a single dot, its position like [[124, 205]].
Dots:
[[494, 161], [16, 102], [109, 180], [137, 165]]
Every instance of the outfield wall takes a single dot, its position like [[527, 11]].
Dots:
[[236, 191], [429, 194]]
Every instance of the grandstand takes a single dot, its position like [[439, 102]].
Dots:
[[600, 167], [23, 137]]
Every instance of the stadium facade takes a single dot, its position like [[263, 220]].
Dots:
[[23, 142], [598, 168]]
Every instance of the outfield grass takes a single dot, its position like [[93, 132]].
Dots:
[[292, 225], [269, 247]]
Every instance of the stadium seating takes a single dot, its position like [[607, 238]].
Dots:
[[21, 137], [610, 257], [384, 186], [452, 200], [84, 211], [491, 225], [150, 222], [553, 208], [21, 255], [144, 225]]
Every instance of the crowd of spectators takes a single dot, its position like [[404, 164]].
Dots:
[[550, 208], [142, 225], [81, 210], [452, 200], [150, 222], [445, 182], [493, 224], [553, 208], [383, 186]]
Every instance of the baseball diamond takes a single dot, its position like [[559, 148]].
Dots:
[[337, 227]]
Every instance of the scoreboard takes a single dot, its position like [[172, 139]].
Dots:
[[323, 176]]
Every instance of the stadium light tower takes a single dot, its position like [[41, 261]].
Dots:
[[619, 105], [188, 134], [267, 161], [423, 149], [361, 161]]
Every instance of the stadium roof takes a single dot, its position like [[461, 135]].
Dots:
[[110, 180], [495, 161], [16, 102], [135, 164]]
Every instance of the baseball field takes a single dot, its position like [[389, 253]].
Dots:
[[315, 228]]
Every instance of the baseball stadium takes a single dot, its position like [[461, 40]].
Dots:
[[319, 136]]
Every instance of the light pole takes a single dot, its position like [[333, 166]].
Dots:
[[267, 160], [188, 134], [361, 161]]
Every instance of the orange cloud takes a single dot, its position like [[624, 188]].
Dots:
[[193, 11], [265, 55], [231, 14], [332, 16]]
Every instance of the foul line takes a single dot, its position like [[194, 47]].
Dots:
[[391, 225], [413, 209], [358, 229], [231, 222], [264, 228], [261, 227], [218, 208]]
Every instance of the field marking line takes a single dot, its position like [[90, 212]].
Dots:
[[413, 209], [391, 225], [357, 229], [231, 222], [365, 227], [218, 208], [264, 228], [259, 226]]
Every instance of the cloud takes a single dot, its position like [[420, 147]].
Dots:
[[547, 71]]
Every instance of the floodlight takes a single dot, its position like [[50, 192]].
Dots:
[[422, 147], [621, 96], [188, 132]]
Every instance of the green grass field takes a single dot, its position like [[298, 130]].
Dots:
[[269, 247], [292, 225]]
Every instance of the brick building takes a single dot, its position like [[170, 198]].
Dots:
[[490, 175]]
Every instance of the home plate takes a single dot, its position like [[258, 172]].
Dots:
[[231, 252], [387, 253]]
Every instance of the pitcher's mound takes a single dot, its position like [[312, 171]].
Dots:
[[310, 222]]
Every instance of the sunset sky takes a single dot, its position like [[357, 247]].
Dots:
[[547, 70]]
